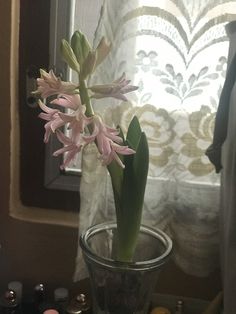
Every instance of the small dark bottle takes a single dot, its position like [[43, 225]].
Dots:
[[41, 303], [179, 309], [39, 293], [79, 305], [8, 303], [61, 297], [39, 298]]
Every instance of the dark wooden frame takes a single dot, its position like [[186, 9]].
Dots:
[[57, 189]]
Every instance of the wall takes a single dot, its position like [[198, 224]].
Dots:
[[34, 252], [30, 252]]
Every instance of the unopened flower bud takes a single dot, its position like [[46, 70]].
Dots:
[[80, 46], [69, 56]]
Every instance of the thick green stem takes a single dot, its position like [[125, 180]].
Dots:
[[85, 99], [127, 240]]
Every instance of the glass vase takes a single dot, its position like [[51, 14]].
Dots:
[[123, 287]]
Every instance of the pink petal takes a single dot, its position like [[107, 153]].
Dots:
[[117, 158], [63, 150], [44, 116], [57, 123], [62, 138], [48, 132]]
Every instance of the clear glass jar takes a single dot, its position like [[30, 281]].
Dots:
[[121, 287]]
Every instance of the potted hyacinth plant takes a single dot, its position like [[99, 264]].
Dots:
[[123, 268]]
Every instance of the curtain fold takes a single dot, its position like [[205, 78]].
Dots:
[[176, 52], [228, 192]]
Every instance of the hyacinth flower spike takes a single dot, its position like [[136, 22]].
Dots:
[[126, 158]]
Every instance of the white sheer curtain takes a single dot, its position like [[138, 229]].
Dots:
[[228, 187], [175, 51]]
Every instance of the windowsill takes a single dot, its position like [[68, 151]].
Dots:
[[41, 215], [191, 305]]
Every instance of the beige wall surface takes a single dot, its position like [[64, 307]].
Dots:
[[33, 252], [30, 252]]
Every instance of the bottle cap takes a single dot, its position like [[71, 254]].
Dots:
[[81, 298], [61, 294], [179, 304], [79, 305], [10, 296], [51, 311], [39, 287], [17, 287], [8, 300]]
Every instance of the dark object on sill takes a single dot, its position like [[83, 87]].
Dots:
[[79, 305], [8, 303], [41, 303], [39, 297], [61, 298], [16, 286], [179, 307]]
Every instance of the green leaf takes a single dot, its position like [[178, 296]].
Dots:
[[80, 46], [69, 56], [140, 167], [116, 173], [121, 134], [132, 197], [135, 178], [134, 133]]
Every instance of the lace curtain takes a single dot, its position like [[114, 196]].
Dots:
[[176, 52]]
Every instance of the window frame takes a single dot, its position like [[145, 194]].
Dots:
[[42, 184], [58, 190]]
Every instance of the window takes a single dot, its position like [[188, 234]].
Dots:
[[37, 189], [42, 184], [57, 190]]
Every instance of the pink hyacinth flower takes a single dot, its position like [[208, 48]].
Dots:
[[77, 119], [49, 85], [107, 139], [116, 89], [72, 146], [116, 149], [53, 118], [67, 101]]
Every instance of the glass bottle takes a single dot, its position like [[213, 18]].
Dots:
[[8, 303], [61, 296], [79, 305], [179, 309], [16, 286]]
